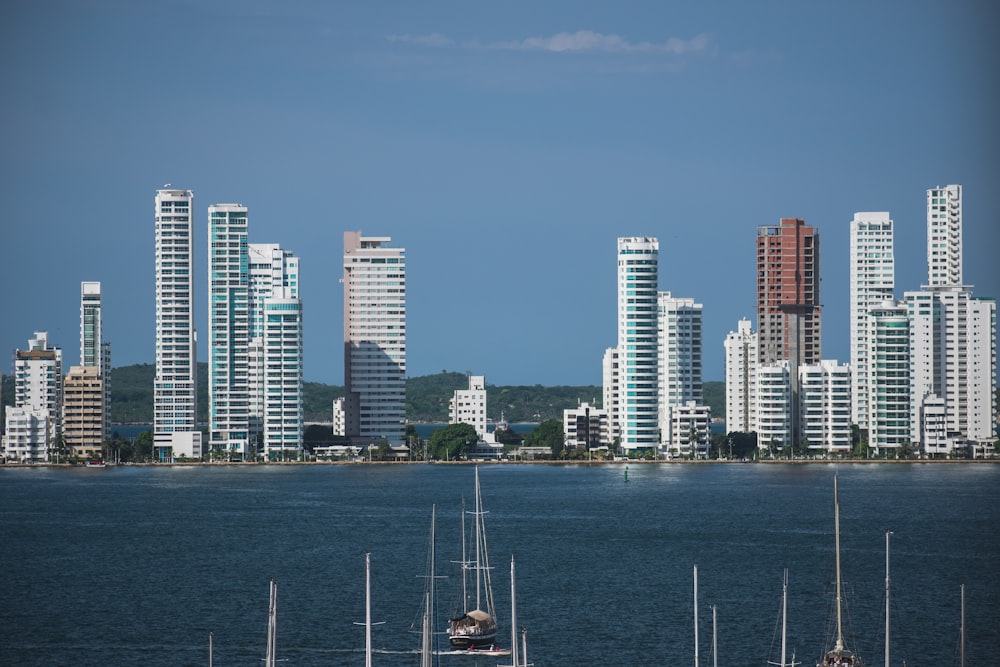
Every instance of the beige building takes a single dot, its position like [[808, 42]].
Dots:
[[83, 412]]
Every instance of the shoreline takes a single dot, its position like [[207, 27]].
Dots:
[[219, 464]]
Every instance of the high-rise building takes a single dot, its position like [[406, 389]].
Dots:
[[95, 352], [83, 412], [228, 317], [741, 365], [788, 305], [283, 412], [825, 406], [872, 283], [374, 338], [679, 357], [952, 340], [275, 351], [611, 391], [34, 422], [944, 236], [174, 393], [638, 276], [468, 406], [888, 364]]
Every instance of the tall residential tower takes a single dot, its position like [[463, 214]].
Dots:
[[228, 317], [174, 394], [638, 277], [872, 284], [374, 338]]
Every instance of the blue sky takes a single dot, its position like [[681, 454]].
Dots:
[[505, 145]]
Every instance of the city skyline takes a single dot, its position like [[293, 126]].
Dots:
[[505, 148]]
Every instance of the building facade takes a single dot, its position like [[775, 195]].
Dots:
[[788, 300], [585, 427], [229, 322], [468, 406], [741, 364], [872, 277], [611, 392], [679, 357], [944, 236], [374, 338], [175, 407], [95, 352], [34, 423], [283, 411], [825, 407], [83, 412], [888, 386], [638, 276]]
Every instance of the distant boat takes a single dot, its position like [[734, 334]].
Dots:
[[477, 628], [839, 655], [96, 464]]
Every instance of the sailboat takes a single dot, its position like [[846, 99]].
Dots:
[[477, 628], [839, 655], [270, 657]]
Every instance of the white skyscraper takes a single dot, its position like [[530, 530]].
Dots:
[[638, 275], [773, 406], [872, 283], [275, 350], [283, 419], [952, 340], [34, 422], [174, 402], [944, 236], [374, 338], [679, 358], [825, 406], [889, 377], [741, 364], [228, 317], [95, 352]]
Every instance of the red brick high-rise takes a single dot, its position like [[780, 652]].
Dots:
[[788, 306]]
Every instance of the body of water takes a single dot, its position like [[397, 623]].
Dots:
[[136, 565]]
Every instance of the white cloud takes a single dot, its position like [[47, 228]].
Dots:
[[434, 39], [580, 41], [587, 40]]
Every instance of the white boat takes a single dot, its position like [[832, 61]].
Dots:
[[476, 628], [839, 655]]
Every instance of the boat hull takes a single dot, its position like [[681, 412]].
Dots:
[[466, 642]]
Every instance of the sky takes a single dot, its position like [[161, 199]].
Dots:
[[504, 145]]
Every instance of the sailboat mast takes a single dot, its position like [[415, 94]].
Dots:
[[272, 626], [887, 534], [695, 616], [209, 649], [784, 616], [479, 544], [425, 644], [836, 526], [715, 642], [961, 641], [513, 617], [465, 565], [368, 611]]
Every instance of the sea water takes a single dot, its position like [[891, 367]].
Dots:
[[137, 565]]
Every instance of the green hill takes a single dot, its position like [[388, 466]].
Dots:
[[426, 397]]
